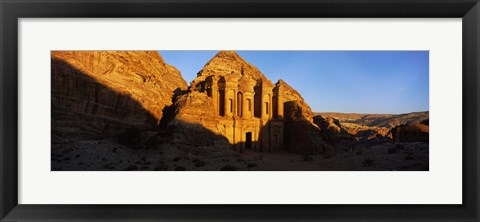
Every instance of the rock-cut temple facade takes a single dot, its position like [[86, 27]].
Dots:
[[234, 100], [250, 111]]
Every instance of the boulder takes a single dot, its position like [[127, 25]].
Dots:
[[411, 133]]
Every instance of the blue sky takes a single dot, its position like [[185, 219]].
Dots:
[[336, 81]]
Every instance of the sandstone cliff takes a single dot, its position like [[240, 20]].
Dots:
[[195, 122], [130, 86]]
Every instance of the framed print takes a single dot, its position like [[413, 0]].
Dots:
[[224, 110]]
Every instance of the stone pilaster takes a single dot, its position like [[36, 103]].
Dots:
[[262, 105], [228, 103], [279, 104], [270, 106]]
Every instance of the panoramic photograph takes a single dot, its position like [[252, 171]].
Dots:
[[244, 110]]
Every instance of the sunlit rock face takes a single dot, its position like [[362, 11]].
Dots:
[[232, 98], [128, 86]]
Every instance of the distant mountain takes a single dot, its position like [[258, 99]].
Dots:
[[378, 120]]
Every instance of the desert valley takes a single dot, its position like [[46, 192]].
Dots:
[[130, 110]]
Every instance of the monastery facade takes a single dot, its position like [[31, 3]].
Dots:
[[250, 111]]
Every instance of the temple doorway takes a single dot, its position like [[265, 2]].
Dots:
[[248, 140]]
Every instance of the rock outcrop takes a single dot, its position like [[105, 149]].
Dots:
[[329, 125], [335, 133], [365, 133], [411, 133], [129, 86], [301, 134], [370, 128], [195, 122], [227, 63], [379, 120]]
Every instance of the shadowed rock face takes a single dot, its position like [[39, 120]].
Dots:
[[411, 133], [137, 81], [301, 135]]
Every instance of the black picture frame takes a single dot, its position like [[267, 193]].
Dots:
[[11, 11]]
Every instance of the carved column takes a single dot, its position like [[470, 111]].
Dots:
[[218, 102], [270, 105], [227, 103], [279, 103], [262, 105], [215, 98], [240, 103], [234, 110], [244, 105]]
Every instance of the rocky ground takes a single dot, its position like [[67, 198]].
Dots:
[[107, 154]]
